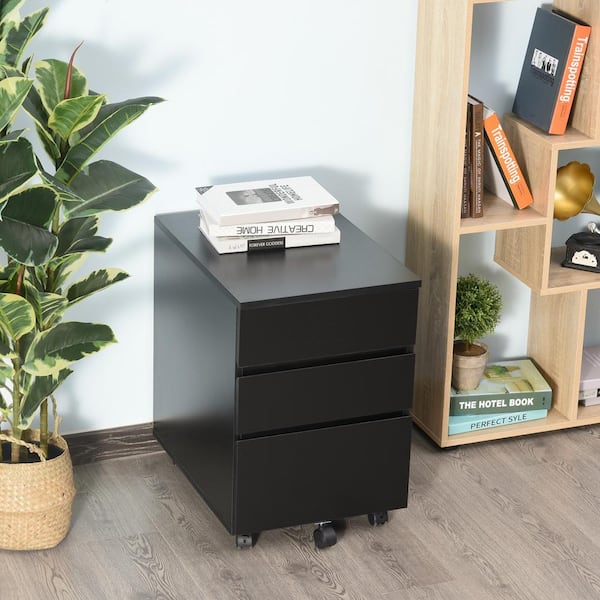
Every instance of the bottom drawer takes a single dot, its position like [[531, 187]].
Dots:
[[321, 474]]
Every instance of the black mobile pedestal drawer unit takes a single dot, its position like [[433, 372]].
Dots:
[[283, 379]]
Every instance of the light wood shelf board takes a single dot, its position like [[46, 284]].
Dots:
[[562, 279], [499, 215], [435, 188], [525, 253], [555, 421], [588, 415], [556, 330], [572, 139]]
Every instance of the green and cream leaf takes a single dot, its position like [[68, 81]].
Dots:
[[16, 316], [94, 282], [73, 114], [51, 75], [110, 120], [17, 166], [105, 185], [55, 349], [13, 92]]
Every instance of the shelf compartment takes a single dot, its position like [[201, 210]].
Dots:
[[562, 279], [498, 215]]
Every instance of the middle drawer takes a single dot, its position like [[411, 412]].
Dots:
[[324, 394]]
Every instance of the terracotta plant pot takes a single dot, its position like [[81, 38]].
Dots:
[[468, 366], [36, 500]]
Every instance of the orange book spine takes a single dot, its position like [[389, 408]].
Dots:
[[507, 162], [568, 85]]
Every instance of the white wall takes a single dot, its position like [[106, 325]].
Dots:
[[261, 88]]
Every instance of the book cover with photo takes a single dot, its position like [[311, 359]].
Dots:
[[506, 386], [266, 200], [551, 70]]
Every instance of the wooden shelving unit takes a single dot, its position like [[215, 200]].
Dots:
[[523, 238]]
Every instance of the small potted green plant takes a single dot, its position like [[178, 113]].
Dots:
[[49, 223], [477, 312]]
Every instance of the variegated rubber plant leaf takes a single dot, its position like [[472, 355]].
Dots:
[[16, 316], [94, 282], [16, 37], [105, 185], [55, 349], [13, 92], [110, 120]]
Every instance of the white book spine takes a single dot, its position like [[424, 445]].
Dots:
[[231, 245], [325, 224]]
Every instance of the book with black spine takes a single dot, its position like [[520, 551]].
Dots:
[[466, 183]]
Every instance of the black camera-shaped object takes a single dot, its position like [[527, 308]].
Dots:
[[583, 252]]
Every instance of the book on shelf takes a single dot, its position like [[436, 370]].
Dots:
[[468, 423], [503, 176], [476, 158], [324, 224], [466, 181], [506, 386], [230, 245], [589, 387], [266, 200], [551, 70]]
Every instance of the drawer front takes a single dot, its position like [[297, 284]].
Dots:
[[321, 474], [314, 395], [317, 329]]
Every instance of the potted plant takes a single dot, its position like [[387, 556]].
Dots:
[[49, 223], [477, 312]]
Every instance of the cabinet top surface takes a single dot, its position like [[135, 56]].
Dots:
[[356, 263]]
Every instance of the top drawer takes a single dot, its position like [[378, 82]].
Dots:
[[323, 328]]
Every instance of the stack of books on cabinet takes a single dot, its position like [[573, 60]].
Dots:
[[268, 215]]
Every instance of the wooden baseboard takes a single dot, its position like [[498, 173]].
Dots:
[[92, 446]]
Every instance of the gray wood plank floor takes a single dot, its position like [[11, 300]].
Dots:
[[514, 519]]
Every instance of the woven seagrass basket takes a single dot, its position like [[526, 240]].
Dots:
[[36, 500]]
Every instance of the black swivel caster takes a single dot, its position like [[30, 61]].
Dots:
[[324, 535], [378, 518], [244, 541]]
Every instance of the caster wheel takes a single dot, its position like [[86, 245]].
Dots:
[[324, 536], [378, 518], [244, 541]]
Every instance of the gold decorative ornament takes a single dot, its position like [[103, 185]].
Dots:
[[574, 191]]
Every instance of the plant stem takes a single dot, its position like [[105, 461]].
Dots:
[[44, 427], [16, 407]]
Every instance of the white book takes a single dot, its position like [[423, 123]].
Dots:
[[324, 224], [266, 200], [229, 245]]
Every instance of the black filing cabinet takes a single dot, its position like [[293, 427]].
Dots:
[[283, 379]]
